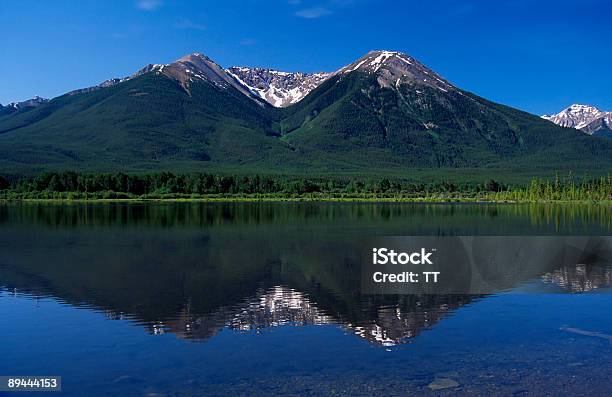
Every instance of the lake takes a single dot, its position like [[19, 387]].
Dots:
[[190, 299]]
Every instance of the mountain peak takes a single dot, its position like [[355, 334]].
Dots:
[[27, 104], [374, 60], [577, 108], [195, 57], [587, 118], [32, 102], [394, 68], [193, 68]]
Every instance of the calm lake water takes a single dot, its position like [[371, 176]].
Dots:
[[263, 299]]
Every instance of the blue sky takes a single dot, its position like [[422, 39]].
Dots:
[[539, 56]]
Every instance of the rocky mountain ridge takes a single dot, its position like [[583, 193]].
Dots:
[[17, 106], [395, 68], [585, 118], [279, 89]]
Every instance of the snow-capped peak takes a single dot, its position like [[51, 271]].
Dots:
[[587, 118], [374, 60], [394, 68], [280, 89]]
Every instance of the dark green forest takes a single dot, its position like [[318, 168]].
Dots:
[[167, 185]]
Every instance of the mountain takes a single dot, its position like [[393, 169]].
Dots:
[[385, 113], [29, 103], [601, 126], [389, 110], [188, 115], [280, 89], [393, 69], [195, 68], [14, 107], [185, 71], [586, 118]]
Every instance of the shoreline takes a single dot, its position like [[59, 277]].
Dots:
[[373, 200]]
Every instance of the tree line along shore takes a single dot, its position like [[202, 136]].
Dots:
[[206, 186]]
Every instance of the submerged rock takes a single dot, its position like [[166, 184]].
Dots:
[[442, 383]]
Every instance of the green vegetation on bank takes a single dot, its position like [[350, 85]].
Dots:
[[166, 185]]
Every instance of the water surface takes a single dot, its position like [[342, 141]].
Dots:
[[260, 299]]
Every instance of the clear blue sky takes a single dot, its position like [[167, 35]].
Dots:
[[539, 56]]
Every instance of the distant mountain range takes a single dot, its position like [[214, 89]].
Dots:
[[585, 118], [384, 114], [17, 106]]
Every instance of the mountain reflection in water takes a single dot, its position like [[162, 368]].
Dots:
[[195, 269], [580, 278], [277, 306]]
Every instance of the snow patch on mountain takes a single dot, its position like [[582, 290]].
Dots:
[[374, 60], [280, 89], [586, 118]]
